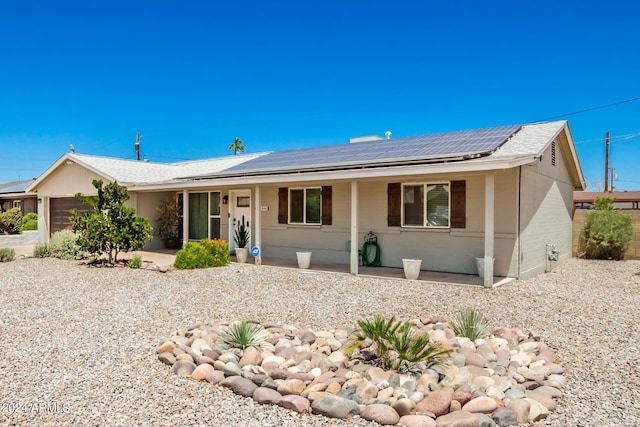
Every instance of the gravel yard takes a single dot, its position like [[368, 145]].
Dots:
[[77, 343]]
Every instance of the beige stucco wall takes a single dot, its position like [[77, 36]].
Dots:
[[451, 250], [546, 215], [580, 217], [67, 181]]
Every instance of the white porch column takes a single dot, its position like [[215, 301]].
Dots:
[[354, 228], [489, 214], [185, 216], [43, 219], [257, 224]]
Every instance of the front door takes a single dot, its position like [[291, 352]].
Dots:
[[239, 213]]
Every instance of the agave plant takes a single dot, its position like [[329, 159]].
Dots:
[[243, 334], [396, 345], [470, 324]]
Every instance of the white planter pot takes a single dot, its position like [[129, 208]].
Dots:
[[411, 268], [480, 265], [304, 259], [241, 254]]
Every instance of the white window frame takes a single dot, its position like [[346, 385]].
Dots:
[[304, 206], [17, 204], [424, 204]]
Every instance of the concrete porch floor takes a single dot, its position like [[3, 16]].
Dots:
[[387, 272], [166, 257]]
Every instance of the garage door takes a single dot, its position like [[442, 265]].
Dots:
[[59, 216]]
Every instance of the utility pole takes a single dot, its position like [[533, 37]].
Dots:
[[606, 165], [613, 176]]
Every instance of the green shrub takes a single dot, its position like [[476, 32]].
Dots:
[[11, 221], [135, 262], [207, 253], [30, 221], [395, 344], [41, 251], [7, 254], [110, 227], [470, 324], [64, 245], [243, 334], [607, 232]]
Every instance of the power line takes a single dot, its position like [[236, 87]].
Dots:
[[591, 109], [614, 138]]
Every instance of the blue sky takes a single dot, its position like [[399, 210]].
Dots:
[[192, 76]]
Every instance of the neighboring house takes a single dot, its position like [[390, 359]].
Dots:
[[623, 199], [14, 195], [503, 192]]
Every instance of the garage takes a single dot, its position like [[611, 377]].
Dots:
[[59, 213]]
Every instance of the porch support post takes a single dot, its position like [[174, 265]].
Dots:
[[489, 213], [257, 224], [185, 216], [44, 219], [354, 227]]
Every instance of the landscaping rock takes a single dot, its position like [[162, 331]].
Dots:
[[417, 421], [382, 414], [335, 407], [243, 387], [295, 403]]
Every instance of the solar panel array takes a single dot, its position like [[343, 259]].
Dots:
[[407, 149]]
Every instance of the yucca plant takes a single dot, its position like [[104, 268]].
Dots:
[[396, 345], [470, 324], [243, 334]]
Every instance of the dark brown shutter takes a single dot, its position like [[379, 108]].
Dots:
[[326, 205], [393, 204], [458, 204], [283, 205]]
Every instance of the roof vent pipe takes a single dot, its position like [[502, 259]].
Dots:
[[137, 145], [388, 134]]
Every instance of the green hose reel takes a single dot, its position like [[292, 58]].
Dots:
[[371, 251]]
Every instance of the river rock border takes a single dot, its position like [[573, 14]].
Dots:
[[506, 379]]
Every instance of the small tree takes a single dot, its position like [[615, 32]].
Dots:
[[237, 145], [607, 233], [112, 227]]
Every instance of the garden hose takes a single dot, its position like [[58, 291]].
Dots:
[[371, 243]]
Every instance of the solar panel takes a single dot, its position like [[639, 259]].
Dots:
[[406, 149]]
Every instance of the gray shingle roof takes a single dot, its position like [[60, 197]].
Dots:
[[141, 172]]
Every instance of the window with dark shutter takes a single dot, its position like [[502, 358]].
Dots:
[[394, 206], [326, 205], [283, 205], [458, 204]]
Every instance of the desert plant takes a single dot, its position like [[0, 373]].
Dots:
[[241, 236], [11, 221], [204, 254], [395, 344], [41, 251], [607, 233], [29, 222], [135, 262], [7, 254], [111, 227], [243, 334], [64, 245], [413, 348], [471, 324]]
